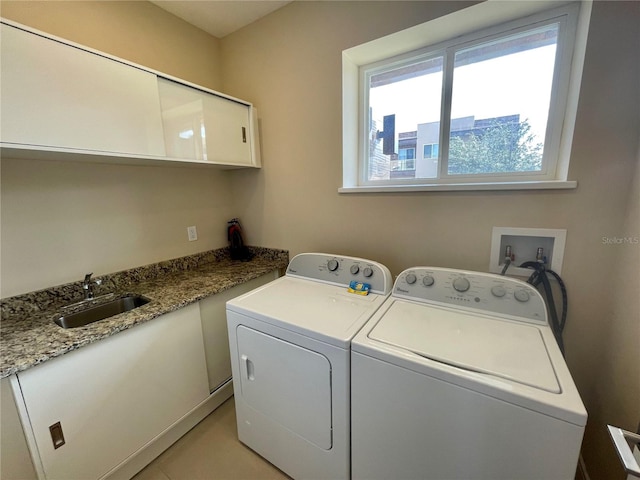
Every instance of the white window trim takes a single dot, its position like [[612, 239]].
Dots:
[[462, 22]]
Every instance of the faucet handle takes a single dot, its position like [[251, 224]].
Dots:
[[87, 284], [88, 281]]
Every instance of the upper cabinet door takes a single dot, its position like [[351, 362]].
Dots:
[[57, 95], [206, 127]]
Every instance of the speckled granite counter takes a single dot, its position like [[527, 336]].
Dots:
[[28, 335]]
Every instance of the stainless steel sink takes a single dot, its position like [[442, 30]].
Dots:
[[102, 311]]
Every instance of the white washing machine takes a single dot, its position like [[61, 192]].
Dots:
[[290, 355], [458, 376]]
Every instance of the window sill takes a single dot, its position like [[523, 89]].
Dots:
[[451, 187]]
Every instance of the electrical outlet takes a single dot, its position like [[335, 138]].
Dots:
[[192, 233]]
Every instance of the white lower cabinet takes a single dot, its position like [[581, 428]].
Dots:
[[15, 460], [108, 409], [109, 399], [214, 327]]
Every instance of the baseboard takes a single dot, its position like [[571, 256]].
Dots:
[[581, 472], [143, 457]]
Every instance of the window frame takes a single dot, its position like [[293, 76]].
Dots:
[[573, 19]]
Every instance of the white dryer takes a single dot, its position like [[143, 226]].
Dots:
[[458, 376], [290, 355]]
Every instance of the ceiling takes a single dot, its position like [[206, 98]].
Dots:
[[220, 17]]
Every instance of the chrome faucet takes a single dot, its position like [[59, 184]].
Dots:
[[87, 286]]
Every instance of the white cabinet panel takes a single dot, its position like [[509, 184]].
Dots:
[[114, 396], [206, 127], [15, 460], [214, 329], [56, 95]]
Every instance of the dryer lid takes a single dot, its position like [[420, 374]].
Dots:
[[327, 313], [478, 343]]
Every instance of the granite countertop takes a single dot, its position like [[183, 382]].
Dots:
[[28, 335]]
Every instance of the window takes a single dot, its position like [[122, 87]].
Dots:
[[407, 153], [430, 150], [404, 162], [487, 108]]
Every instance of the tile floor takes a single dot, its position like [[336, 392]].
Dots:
[[211, 451]]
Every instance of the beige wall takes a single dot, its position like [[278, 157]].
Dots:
[[617, 385], [289, 65], [62, 220], [137, 31]]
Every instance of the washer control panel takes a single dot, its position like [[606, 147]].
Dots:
[[490, 293], [341, 270]]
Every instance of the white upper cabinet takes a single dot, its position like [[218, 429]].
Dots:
[[204, 126], [59, 96], [60, 100]]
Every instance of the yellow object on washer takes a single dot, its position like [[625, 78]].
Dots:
[[359, 288]]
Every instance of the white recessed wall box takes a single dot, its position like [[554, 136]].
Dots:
[[525, 244]]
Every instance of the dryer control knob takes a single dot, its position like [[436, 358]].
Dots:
[[461, 284], [354, 269], [367, 272], [498, 291], [521, 295], [428, 280], [332, 265], [411, 278]]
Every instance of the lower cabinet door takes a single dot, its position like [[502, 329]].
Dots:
[[92, 408], [214, 328]]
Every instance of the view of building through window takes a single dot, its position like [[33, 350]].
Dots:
[[501, 144], [499, 107]]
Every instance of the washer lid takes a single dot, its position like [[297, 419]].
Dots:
[[514, 351]]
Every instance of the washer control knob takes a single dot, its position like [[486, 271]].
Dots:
[[498, 291], [332, 265], [521, 295], [367, 272], [411, 278], [428, 280], [354, 269], [461, 284]]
